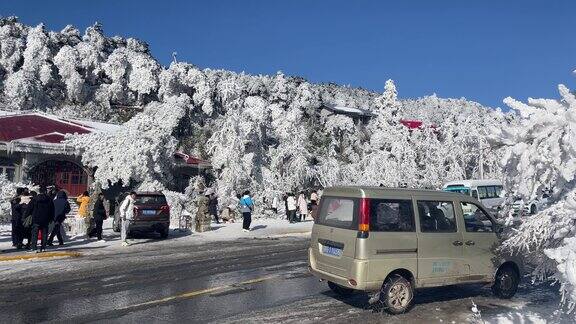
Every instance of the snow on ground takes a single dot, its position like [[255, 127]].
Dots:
[[260, 228]]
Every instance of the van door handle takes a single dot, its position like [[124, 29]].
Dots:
[[457, 243], [470, 243]]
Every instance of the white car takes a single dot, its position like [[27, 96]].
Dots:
[[520, 208]]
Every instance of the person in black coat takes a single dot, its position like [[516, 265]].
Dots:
[[99, 215], [61, 208], [17, 211], [213, 207], [42, 211]]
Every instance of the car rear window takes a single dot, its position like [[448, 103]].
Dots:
[[150, 200], [338, 212]]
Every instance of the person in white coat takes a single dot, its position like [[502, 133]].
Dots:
[[302, 206], [291, 205], [126, 214], [275, 205]]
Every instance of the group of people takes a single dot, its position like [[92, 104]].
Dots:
[[237, 204], [40, 216], [297, 209]]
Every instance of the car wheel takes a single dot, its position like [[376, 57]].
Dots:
[[533, 210], [506, 282], [397, 294], [339, 290]]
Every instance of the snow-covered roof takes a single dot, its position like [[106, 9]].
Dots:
[[351, 111], [27, 131]]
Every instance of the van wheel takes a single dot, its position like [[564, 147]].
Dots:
[[533, 210], [506, 283], [339, 290], [397, 294]]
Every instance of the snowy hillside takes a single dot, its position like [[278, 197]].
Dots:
[[258, 131]]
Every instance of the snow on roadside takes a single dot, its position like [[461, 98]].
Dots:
[[261, 228]]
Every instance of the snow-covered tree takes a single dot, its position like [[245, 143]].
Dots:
[[542, 155], [141, 151]]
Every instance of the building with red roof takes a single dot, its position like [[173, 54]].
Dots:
[[32, 149]]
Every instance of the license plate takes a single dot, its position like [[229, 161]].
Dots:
[[148, 212], [330, 250]]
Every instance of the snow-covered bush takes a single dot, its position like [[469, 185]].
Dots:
[[542, 155]]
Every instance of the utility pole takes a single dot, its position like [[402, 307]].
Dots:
[[481, 159]]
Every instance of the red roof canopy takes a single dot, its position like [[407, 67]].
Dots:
[[411, 124], [190, 159], [38, 128]]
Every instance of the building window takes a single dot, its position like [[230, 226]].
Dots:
[[9, 171]]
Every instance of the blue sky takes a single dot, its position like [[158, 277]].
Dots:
[[481, 50]]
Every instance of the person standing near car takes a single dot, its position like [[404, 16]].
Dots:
[[126, 214], [246, 207], [99, 216], [42, 211], [61, 209]]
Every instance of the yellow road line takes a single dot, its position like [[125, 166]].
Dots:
[[44, 255], [195, 293]]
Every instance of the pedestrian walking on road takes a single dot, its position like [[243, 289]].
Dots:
[[291, 207], [302, 206], [246, 207], [126, 214], [99, 216], [61, 209], [42, 211], [17, 213]]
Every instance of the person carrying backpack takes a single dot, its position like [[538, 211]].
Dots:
[[246, 207]]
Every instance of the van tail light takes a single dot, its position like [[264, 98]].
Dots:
[[364, 219], [165, 208], [135, 211]]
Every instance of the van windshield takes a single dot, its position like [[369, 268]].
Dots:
[[338, 212]]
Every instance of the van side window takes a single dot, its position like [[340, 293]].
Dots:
[[499, 191], [337, 212], [491, 192], [475, 219], [482, 194], [436, 216], [391, 215]]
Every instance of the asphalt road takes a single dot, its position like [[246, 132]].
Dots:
[[264, 280]]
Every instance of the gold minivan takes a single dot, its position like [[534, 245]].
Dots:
[[392, 241]]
